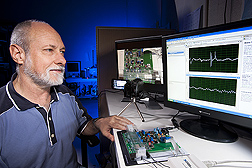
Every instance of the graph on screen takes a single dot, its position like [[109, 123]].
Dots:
[[217, 90], [223, 58]]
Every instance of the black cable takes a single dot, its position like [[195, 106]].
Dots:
[[150, 162], [116, 91], [157, 162], [174, 121], [225, 10], [176, 115], [162, 165], [156, 96]]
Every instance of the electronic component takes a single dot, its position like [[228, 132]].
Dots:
[[139, 64], [139, 146], [135, 146]]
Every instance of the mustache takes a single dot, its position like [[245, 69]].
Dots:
[[57, 67]]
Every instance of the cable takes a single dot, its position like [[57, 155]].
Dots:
[[156, 96], [150, 162], [217, 163], [225, 11], [105, 90], [174, 121], [157, 162]]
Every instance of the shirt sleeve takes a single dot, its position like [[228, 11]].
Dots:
[[83, 116], [81, 113]]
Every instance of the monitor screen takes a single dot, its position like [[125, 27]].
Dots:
[[140, 58], [73, 69], [208, 72], [118, 84]]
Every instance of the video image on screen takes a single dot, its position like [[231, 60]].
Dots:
[[222, 91], [143, 63], [223, 58]]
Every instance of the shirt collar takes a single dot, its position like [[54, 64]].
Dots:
[[22, 103]]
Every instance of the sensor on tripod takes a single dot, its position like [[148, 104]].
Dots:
[[132, 90]]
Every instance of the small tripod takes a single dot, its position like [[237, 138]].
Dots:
[[133, 100]]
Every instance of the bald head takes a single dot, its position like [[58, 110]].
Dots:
[[43, 33], [33, 33], [21, 33]]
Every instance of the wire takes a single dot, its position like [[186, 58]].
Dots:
[[150, 162], [156, 96], [174, 121], [157, 162], [105, 90], [176, 115], [225, 11], [217, 163]]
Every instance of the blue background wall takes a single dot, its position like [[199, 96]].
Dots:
[[76, 20]]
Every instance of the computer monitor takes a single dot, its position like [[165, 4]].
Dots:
[[141, 58], [208, 72], [73, 69]]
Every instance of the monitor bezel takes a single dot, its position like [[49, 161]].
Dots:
[[220, 116], [68, 73]]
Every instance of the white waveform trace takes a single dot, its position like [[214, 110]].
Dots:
[[211, 59], [213, 90]]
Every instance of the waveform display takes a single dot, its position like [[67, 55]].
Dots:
[[223, 58], [222, 91]]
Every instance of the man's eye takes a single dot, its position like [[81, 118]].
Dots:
[[62, 51], [49, 49]]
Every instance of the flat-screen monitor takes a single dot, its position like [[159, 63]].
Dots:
[[141, 58], [73, 69], [208, 72]]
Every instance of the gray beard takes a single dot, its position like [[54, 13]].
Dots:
[[43, 80]]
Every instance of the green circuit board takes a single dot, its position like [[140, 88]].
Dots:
[[138, 64], [157, 140]]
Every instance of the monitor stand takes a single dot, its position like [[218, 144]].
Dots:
[[208, 129], [126, 99], [152, 105]]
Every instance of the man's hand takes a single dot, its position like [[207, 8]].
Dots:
[[106, 124]]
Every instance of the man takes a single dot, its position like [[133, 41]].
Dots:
[[39, 117]]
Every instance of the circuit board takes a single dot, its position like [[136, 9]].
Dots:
[[138, 64], [148, 144]]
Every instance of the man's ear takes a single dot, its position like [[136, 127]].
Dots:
[[17, 53]]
